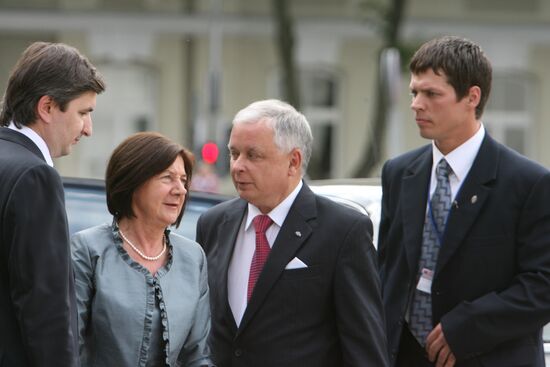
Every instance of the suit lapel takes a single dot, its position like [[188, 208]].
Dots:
[[292, 235], [414, 191], [229, 230], [470, 200], [21, 139]]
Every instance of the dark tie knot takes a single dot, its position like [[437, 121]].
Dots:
[[443, 168], [261, 223]]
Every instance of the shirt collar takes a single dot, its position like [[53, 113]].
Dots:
[[462, 157], [277, 214], [36, 139]]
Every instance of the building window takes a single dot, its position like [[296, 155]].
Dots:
[[509, 112], [319, 97], [128, 105]]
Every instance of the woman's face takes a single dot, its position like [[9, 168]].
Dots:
[[160, 199]]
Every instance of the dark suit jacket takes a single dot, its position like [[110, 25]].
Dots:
[[37, 302], [491, 287], [328, 314]]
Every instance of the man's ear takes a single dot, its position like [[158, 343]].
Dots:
[[44, 108], [474, 96], [295, 163]]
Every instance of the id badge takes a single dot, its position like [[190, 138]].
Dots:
[[425, 281]]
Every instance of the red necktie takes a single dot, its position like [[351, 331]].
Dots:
[[261, 224]]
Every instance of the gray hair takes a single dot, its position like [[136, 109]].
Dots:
[[290, 127]]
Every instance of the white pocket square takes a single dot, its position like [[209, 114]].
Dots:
[[295, 264]]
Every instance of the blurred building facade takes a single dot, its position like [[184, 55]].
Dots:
[[184, 68]]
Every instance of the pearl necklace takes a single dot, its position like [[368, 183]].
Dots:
[[148, 258]]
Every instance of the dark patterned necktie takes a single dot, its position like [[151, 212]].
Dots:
[[420, 321], [261, 224]]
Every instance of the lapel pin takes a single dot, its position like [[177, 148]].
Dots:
[[473, 200], [298, 234]]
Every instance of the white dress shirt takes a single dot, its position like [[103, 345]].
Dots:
[[239, 267], [460, 160], [36, 139]]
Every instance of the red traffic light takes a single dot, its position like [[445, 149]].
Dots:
[[210, 152]]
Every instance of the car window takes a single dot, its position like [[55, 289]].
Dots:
[[86, 206], [193, 211]]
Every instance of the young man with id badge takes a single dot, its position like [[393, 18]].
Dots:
[[465, 228]]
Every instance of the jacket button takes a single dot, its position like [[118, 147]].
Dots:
[[238, 352]]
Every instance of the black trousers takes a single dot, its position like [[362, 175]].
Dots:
[[411, 354]]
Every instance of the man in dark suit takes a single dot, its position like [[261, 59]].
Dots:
[[46, 109], [465, 228], [316, 300]]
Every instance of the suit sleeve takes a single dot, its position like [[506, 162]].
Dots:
[[385, 222], [198, 231], [475, 327], [357, 298], [40, 269], [84, 275]]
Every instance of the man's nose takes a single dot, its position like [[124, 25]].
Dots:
[[87, 129], [237, 164], [416, 102]]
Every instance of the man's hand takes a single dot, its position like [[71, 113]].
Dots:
[[438, 349]]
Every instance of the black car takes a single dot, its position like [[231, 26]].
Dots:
[[86, 205]]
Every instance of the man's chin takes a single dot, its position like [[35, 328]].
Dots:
[[65, 151], [244, 193], [426, 134]]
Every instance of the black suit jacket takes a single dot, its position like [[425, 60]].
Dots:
[[328, 314], [37, 301], [491, 287]]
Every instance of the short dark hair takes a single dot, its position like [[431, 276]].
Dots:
[[463, 63], [137, 159], [47, 69]]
